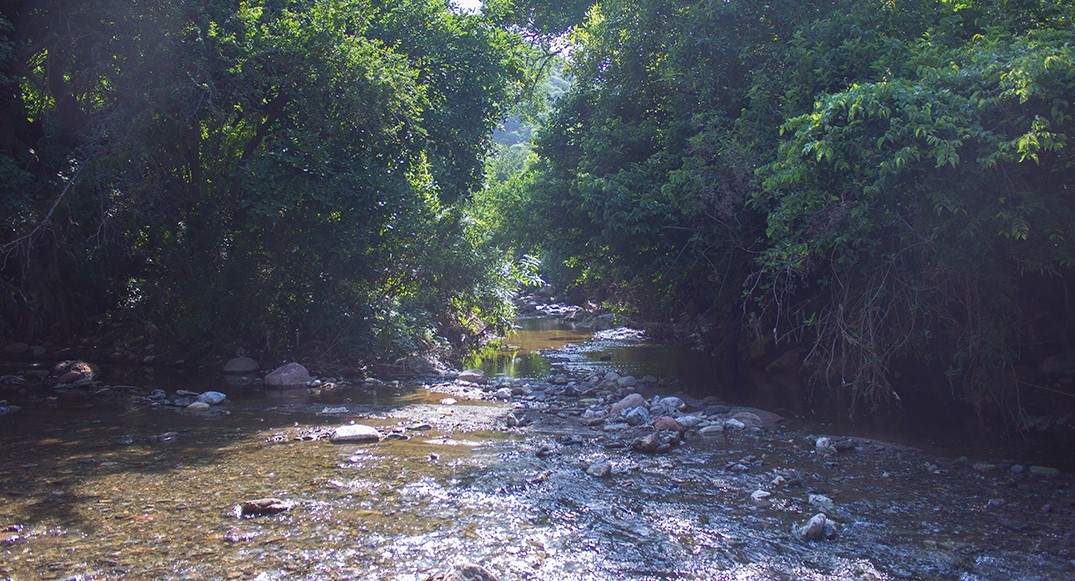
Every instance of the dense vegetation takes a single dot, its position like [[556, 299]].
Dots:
[[274, 174], [867, 183], [860, 184]]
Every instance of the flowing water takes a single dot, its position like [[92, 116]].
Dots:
[[90, 490]]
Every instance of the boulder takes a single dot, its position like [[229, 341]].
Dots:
[[627, 381], [290, 374], [241, 365], [473, 376], [630, 402], [212, 397], [356, 433]]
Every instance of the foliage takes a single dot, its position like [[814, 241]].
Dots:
[[875, 181], [280, 173]]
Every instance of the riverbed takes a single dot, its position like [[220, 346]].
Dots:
[[105, 490]]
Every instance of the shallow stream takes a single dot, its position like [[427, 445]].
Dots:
[[90, 490]]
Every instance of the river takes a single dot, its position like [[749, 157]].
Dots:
[[95, 489]]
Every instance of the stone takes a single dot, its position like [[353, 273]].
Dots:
[[650, 444], [77, 372], [690, 421], [240, 365], [711, 431], [627, 403], [473, 376], [198, 406], [356, 433], [1044, 471], [600, 469], [734, 424], [749, 419], [260, 507], [627, 381], [504, 393], [289, 374], [612, 376], [672, 402], [818, 528], [761, 498], [18, 348], [466, 572], [667, 423], [212, 397], [821, 502], [637, 416]]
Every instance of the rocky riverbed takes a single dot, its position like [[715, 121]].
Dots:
[[581, 474]]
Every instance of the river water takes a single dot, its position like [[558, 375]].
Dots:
[[98, 490]]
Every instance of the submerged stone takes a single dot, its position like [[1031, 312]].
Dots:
[[260, 506]]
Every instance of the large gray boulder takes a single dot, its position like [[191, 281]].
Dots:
[[290, 374]]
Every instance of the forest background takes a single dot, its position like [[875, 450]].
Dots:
[[871, 186]]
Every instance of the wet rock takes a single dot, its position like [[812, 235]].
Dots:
[[637, 417], [734, 424], [198, 406], [600, 469], [629, 402], [212, 398], [355, 433], [649, 444], [821, 502], [8, 409], [711, 431], [290, 374], [667, 423], [465, 572], [761, 498], [1044, 471], [75, 372], [473, 376], [165, 437], [240, 365], [689, 421], [748, 419], [260, 507], [1017, 469], [818, 528]]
